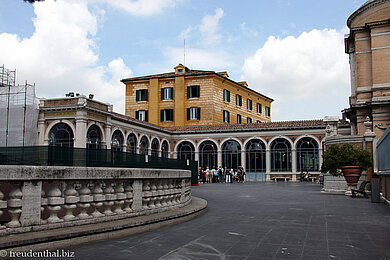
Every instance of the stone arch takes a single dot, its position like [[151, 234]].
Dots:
[[52, 124]]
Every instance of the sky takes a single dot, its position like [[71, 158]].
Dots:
[[289, 50]]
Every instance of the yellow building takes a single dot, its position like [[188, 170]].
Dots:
[[194, 97]]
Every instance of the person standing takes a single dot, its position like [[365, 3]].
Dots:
[[228, 176], [208, 174]]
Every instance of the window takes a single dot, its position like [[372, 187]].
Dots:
[[141, 95], [226, 95], [166, 93], [249, 120], [166, 115], [193, 91], [267, 111], [259, 108], [238, 100], [193, 113], [226, 116], [141, 115], [238, 119], [249, 104]]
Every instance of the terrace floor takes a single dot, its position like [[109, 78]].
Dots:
[[262, 221]]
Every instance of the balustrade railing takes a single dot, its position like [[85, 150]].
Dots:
[[52, 197]]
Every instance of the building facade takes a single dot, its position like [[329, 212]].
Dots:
[[368, 46], [194, 97], [266, 150]]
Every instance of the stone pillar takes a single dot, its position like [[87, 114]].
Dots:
[[41, 130], [219, 157], [294, 164], [243, 159], [31, 203], [81, 130], [137, 195], [320, 159], [268, 163], [107, 129], [332, 123]]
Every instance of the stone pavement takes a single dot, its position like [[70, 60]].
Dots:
[[262, 221]]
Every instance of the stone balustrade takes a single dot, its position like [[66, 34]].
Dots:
[[39, 198]]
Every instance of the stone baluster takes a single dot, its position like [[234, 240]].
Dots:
[[166, 193], [160, 193], [43, 205], [98, 198], [146, 195], [54, 202], [153, 189], [120, 197], [129, 197], [15, 205], [110, 197], [85, 200], [71, 200], [3, 205]]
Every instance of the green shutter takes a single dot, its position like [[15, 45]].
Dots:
[[228, 96], [198, 91], [147, 95], [162, 93], [198, 113], [171, 113], [162, 115], [137, 114], [171, 90], [137, 95], [188, 91], [146, 115], [188, 113]]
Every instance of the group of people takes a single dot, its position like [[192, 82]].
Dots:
[[221, 175]]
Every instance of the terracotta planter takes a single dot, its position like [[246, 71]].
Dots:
[[352, 174]]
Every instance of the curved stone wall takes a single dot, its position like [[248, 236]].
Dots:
[[36, 198]]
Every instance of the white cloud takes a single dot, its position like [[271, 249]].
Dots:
[[61, 55], [199, 58], [139, 7], [308, 75], [209, 28]]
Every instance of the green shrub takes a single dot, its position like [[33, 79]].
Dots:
[[346, 155]]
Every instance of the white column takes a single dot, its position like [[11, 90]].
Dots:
[[41, 130], [294, 164], [81, 130], [268, 163], [320, 159], [243, 159], [107, 128], [219, 157], [197, 156]]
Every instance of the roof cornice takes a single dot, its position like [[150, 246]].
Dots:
[[363, 8]]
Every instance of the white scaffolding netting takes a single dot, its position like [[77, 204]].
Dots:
[[18, 115]]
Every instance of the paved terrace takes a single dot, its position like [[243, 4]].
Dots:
[[262, 221]]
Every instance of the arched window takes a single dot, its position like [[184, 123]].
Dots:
[[165, 149], [280, 155], [131, 143], [208, 154], [155, 147], [255, 156], [94, 137], [231, 154], [117, 141], [61, 135], [186, 151], [307, 155], [144, 145]]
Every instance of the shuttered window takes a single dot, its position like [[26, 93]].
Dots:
[[193, 91], [193, 113], [141, 95]]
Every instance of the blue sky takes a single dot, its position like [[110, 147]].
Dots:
[[290, 50]]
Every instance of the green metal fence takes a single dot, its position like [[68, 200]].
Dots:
[[66, 156]]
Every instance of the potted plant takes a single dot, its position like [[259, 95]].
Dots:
[[348, 160]]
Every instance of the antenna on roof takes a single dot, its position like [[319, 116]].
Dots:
[[184, 52]]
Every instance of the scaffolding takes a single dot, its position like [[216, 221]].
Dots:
[[18, 111]]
